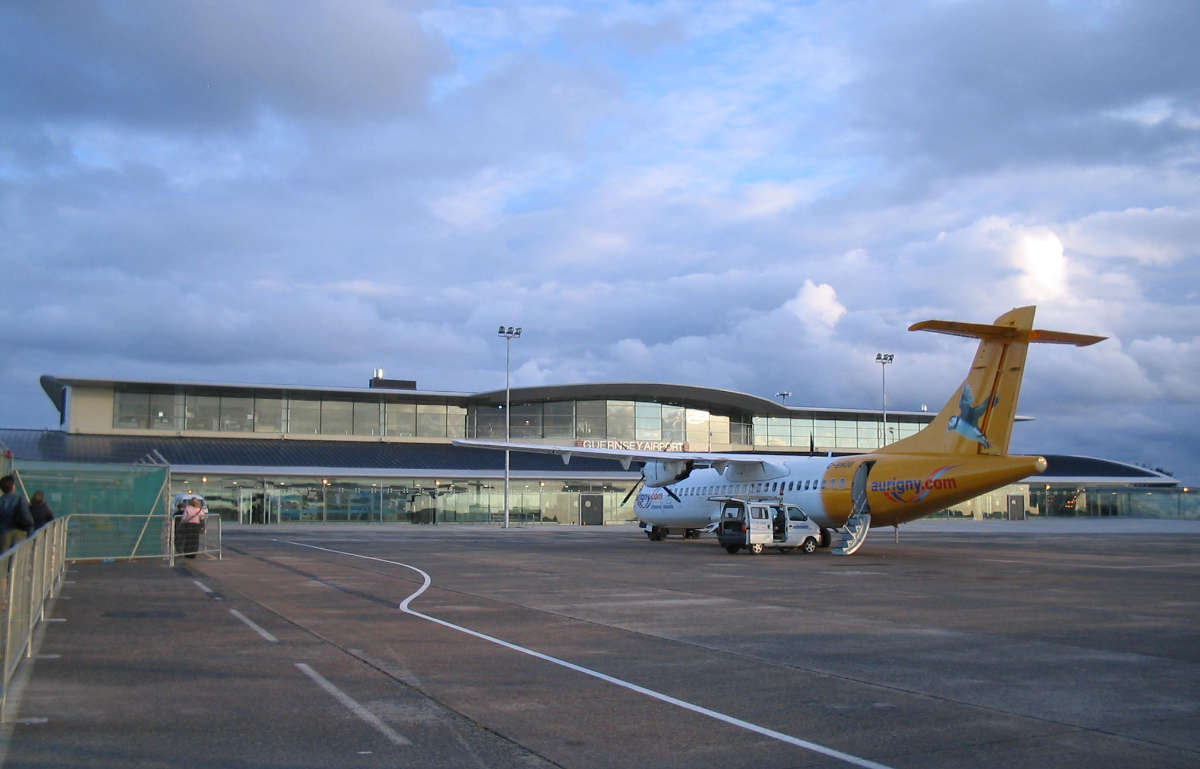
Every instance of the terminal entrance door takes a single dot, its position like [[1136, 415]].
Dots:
[[257, 507], [591, 509]]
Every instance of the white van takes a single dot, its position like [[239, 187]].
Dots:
[[758, 523]]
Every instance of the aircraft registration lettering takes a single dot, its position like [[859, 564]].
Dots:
[[915, 489]]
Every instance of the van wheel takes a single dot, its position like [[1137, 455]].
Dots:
[[809, 546], [756, 548], [732, 549]]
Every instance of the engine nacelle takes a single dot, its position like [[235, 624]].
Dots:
[[658, 474]]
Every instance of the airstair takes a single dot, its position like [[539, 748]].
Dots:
[[852, 536]]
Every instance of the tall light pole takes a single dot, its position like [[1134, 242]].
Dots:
[[783, 396], [509, 333], [883, 359]]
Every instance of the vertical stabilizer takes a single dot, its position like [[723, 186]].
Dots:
[[978, 419]]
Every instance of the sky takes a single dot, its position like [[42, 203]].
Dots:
[[758, 196]]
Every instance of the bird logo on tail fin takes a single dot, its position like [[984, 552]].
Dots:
[[966, 423]]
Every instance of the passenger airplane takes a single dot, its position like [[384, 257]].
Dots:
[[962, 453]]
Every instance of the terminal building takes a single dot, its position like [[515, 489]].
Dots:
[[383, 453]]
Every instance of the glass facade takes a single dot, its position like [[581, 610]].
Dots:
[[268, 499], [553, 421], [409, 500], [861, 433], [1022, 501], [276, 412]]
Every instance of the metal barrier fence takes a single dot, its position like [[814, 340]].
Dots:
[[189, 544], [130, 537], [33, 572]]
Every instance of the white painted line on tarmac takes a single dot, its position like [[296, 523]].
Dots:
[[1079, 564], [202, 586], [254, 626], [764, 731], [353, 706]]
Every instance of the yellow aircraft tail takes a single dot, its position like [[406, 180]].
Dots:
[[978, 419]]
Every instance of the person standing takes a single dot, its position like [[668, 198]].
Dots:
[[15, 519], [39, 508], [192, 523]]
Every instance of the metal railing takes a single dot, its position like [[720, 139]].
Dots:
[[207, 541], [33, 573], [33, 569]]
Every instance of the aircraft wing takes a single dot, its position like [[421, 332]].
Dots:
[[624, 456]]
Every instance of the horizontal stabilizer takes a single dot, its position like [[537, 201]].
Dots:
[[1064, 337], [973, 330], [1004, 333]]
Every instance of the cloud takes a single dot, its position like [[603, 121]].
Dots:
[[1161, 236], [817, 307], [1038, 254], [215, 66]]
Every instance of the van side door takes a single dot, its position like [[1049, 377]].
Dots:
[[759, 521]]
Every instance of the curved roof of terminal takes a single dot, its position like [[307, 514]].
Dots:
[[266, 455]]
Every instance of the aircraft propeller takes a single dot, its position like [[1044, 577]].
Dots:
[[638, 484]]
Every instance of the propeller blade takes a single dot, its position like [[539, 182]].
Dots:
[[632, 489], [668, 490]]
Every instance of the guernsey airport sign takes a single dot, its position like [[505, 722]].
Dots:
[[633, 445]]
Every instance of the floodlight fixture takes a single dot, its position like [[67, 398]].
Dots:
[[509, 333], [883, 359]]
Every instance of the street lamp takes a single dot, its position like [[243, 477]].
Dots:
[[883, 359], [783, 396], [509, 333]]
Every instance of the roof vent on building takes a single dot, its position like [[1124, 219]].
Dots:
[[391, 384]]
